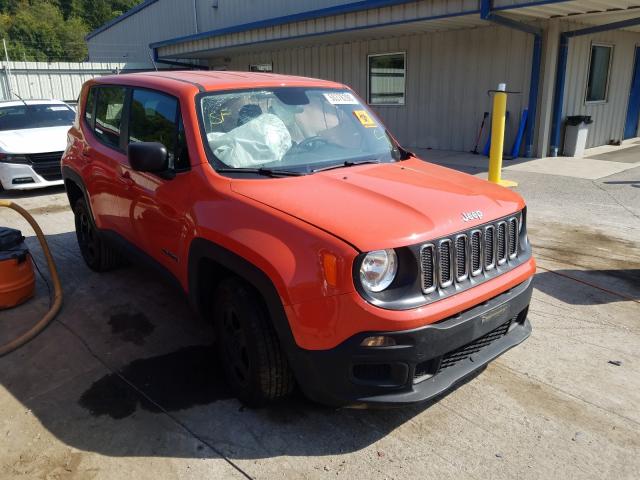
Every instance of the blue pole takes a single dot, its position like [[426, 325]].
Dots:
[[534, 87], [558, 100], [536, 59]]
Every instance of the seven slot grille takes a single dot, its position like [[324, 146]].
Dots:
[[469, 254]]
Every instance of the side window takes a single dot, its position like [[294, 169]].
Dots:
[[109, 106], [155, 118], [90, 106]]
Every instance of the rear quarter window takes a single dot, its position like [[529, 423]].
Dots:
[[90, 106], [108, 116]]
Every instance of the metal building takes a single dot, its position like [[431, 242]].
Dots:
[[425, 66]]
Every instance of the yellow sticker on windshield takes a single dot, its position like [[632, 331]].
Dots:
[[365, 118]]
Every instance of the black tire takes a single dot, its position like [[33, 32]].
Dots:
[[98, 256], [248, 346]]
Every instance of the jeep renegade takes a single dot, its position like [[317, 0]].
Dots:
[[324, 253]]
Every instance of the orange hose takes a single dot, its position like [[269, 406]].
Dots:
[[57, 287]]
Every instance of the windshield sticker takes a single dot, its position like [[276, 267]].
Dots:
[[341, 98], [365, 118], [61, 108], [218, 117]]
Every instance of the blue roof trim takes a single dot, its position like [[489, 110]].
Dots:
[[128, 13], [533, 3], [312, 14], [343, 30]]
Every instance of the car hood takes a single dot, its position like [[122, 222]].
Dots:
[[34, 140], [387, 205]]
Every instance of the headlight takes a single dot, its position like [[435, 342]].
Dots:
[[378, 270], [8, 158]]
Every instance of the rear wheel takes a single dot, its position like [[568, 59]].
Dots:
[[248, 346], [98, 256]]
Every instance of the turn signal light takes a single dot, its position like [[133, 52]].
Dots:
[[330, 265], [379, 341]]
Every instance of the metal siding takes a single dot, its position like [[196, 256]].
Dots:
[[129, 39], [39, 80], [609, 117], [447, 78]]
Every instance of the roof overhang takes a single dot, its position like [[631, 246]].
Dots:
[[381, 18]]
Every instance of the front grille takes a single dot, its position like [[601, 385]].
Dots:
[[501, 254], [427, 259], [50, 157], [476, 265], [49, 172], [489, 247], [445, 263], [513, 237], [47, 165], [464, 352], [469, 257], [461, 257]]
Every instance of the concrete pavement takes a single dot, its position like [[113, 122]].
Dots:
[[124, 384]]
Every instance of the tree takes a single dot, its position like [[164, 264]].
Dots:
[[54, 30]]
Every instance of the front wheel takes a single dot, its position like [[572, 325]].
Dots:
[[248, 346]]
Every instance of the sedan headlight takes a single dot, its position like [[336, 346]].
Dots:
[[9, 158], [378, 270]]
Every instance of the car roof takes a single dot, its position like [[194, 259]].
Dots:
[[213, 80], [13, 103]]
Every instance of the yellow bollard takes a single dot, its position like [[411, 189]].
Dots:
[[498, 121]]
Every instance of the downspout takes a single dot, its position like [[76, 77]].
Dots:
[[195, 16], [558, 98], [561, 74], [486, 13]]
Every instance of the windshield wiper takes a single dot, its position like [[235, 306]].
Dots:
[[267, 172], [346, 163]]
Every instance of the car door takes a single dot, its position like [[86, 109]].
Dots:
[[158, 214], [107, 173]]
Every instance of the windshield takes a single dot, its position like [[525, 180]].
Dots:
[[19, 117], [293, 129]]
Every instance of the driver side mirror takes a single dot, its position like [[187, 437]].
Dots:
[[148, 157]]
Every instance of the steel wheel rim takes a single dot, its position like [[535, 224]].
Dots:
[[86, 236]]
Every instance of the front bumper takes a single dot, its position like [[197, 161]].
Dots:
[[424, 363], [14, 176]]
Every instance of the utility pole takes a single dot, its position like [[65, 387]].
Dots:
[[8, 68]]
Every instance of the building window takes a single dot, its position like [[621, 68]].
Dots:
[[386, 79], [599, 67]]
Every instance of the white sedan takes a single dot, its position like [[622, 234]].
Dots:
[[33, 136]]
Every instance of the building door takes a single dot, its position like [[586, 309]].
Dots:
[[633, 112]]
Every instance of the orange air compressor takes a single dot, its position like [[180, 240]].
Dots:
[[17, 280]]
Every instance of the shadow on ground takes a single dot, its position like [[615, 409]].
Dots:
[[40, 192], [633, 183], [590, 287], [126, 348]]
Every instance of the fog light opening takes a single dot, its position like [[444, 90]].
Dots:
[[378, 341], [22, 180]]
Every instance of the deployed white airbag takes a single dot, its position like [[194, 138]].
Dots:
[[264, 139]]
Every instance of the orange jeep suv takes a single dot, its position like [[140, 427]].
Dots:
[[324, 253]]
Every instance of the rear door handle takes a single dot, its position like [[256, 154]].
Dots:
[[126, 179]]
